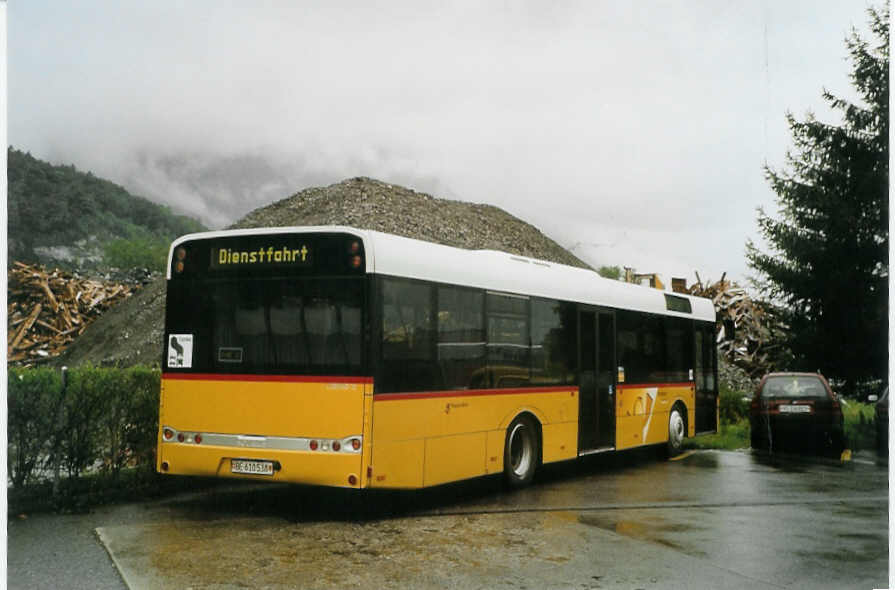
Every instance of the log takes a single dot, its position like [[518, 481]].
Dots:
[[26, 326], [47, 310]]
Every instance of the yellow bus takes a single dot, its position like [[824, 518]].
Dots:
[[344, 357]]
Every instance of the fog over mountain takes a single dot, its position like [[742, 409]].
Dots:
[[219, 189], [635, 132]]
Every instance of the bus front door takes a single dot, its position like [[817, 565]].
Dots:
[[596, 381], [606, 374], [706, 384]]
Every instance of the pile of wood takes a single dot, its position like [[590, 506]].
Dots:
[[46, 311], [748, 331]]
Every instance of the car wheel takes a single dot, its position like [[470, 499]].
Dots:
[[521, 452]]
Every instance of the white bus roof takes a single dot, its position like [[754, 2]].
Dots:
[[387, 254]]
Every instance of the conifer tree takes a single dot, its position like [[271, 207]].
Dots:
[[827, 261]]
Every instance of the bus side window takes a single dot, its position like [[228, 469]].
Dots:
[[552, 344], [509, 341], [461, 337], [407, 336], [641, 347], [678, 349]]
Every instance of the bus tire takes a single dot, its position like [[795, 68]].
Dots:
[[522, 452], [677, 430]]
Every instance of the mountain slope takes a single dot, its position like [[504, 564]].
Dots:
[[61, 216], [131, 333]]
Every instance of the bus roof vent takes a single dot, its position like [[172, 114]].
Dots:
[[675, 303]]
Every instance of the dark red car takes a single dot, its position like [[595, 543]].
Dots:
[[796, 411]]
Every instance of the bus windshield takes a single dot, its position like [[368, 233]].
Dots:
[[266, 325]]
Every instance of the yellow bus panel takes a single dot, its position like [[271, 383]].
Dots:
[[267, 407], [462, 433], [313, 468], [452, 458], [266, 418], [560, 441], [397, 464], [642, 412]]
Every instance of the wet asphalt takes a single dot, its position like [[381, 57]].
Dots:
[[709, 520]]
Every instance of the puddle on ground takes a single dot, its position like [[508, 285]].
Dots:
[[646, 527]]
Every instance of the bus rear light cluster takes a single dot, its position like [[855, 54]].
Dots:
[[354, 258], [169, 434], [347, 445], [179, 258]]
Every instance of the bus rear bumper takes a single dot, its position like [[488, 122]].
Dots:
[[305, 467]]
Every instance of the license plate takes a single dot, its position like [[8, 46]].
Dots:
[[795, 409], [251, 467]]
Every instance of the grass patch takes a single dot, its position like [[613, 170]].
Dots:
[[860, 425], [730, 436]]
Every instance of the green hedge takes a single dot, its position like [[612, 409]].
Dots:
[[733, 405], [103, 420]]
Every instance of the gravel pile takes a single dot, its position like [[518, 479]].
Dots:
[[367, 203], [131, 333]]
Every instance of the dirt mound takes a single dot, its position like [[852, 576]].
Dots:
[[131, 333]]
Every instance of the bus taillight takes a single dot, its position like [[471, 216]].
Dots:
[[313, 445], [198, 439], [168, 433], [355, 444], [337, 445], [180, 255]]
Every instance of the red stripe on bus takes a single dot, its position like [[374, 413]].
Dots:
[[645, 385], [387, 397], [274, 378]]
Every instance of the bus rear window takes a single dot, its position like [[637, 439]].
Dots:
[[301, 326]]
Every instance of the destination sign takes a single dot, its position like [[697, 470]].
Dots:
[[224, 258]]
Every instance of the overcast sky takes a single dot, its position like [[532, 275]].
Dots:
[[633, 132]]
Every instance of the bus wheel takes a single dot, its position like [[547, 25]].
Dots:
[[677, 430], [521, 452]]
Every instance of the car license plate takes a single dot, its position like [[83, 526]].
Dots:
[[251, 467], [795, 409]]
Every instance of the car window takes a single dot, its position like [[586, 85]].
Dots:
[[793, 386]]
